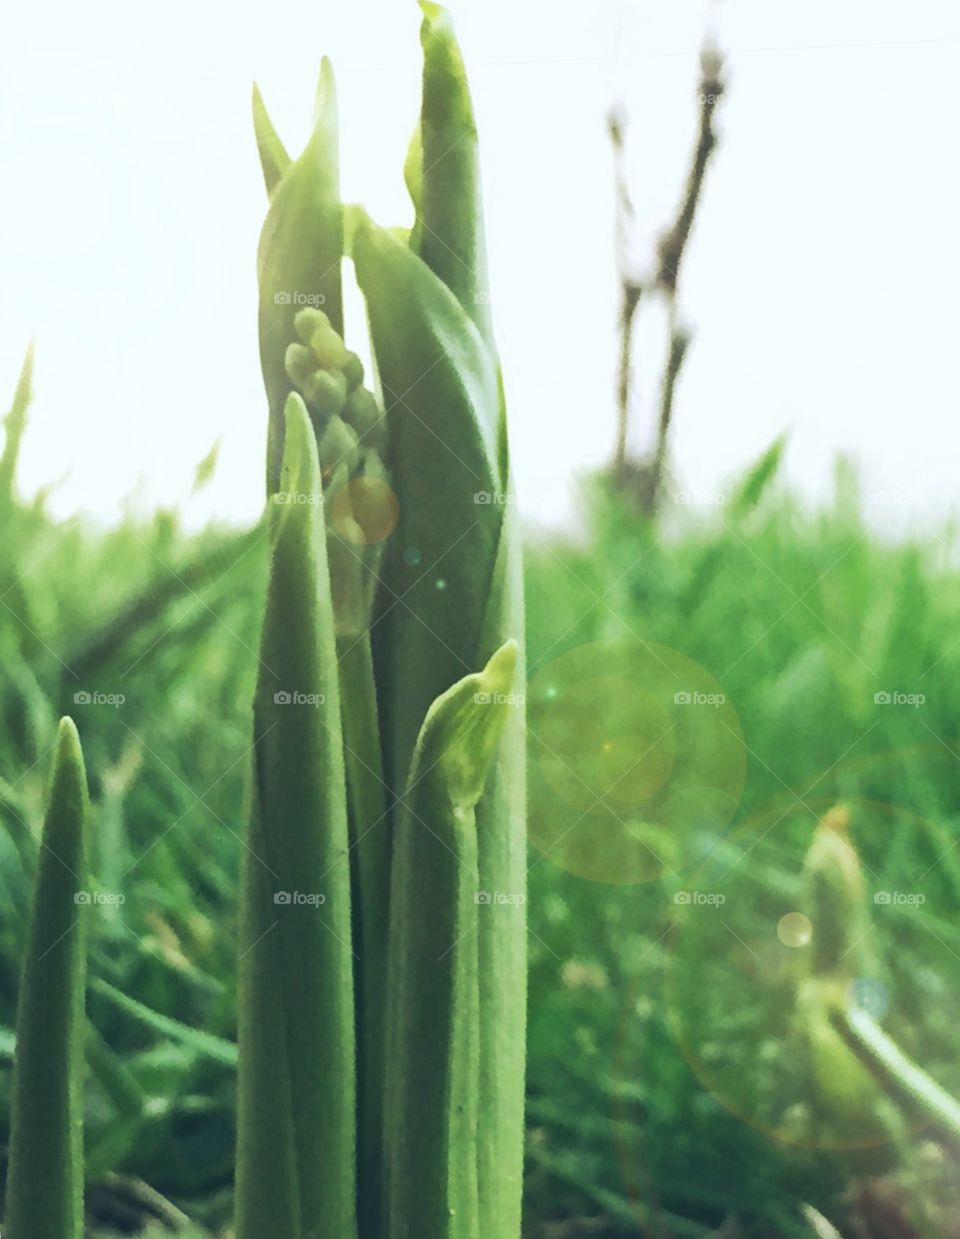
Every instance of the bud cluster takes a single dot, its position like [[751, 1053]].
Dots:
[[348, 422], [351, 441]]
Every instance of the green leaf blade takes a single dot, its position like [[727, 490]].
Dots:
[[299, 257], [450, 210], [442, 403], [45, 1177], [274, 159], [433, 1074], [297, 1103]]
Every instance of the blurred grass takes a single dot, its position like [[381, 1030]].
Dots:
[[665, 1093]]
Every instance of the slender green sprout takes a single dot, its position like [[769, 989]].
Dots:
[[418, 573], [45, 1176], [297, 1120]]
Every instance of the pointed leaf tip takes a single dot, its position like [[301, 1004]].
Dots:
[[274, 159], [67, 735], [498, 675], [300, 473], [462, 731], [325, 99]]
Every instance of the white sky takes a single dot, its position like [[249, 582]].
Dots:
[[822, 278]]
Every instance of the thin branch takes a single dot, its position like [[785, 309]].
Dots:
[[673, 243], [631, 289], [645, 478]]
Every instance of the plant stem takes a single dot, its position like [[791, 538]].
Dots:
[[895, 1071], [370, 853]]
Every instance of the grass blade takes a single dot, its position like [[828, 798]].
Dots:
[[45, 1176]]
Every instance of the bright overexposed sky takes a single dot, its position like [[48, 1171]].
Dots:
[[821, 280]]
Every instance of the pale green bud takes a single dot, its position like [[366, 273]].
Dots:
[[352, 371], [300, 364], [362, 411], [326, 393], [338, 445], [309, 320], [328, 348]]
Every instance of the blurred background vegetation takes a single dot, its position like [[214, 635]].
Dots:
[[667, 1091]]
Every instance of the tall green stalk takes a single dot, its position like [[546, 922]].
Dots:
[[419, 571], [45, 1176], [297, 1120]]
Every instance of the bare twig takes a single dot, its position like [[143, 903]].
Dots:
[[673, 243], [631, 288], [644, 478]]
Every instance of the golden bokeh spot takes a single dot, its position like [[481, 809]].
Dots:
[[637, 761], [795, 930]]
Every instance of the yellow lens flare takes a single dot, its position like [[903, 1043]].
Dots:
[[637, 761]]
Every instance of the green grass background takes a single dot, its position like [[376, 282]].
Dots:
[[663, 1093]]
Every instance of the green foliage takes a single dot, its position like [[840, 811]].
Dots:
[[620, 1128], [44, 1197], [297, 1104], [669, 1089]]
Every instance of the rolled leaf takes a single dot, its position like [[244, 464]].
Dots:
[[433, 1084], [450, 209], [45, 1177], [440, 392], [297, 1121], [298, 260]]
